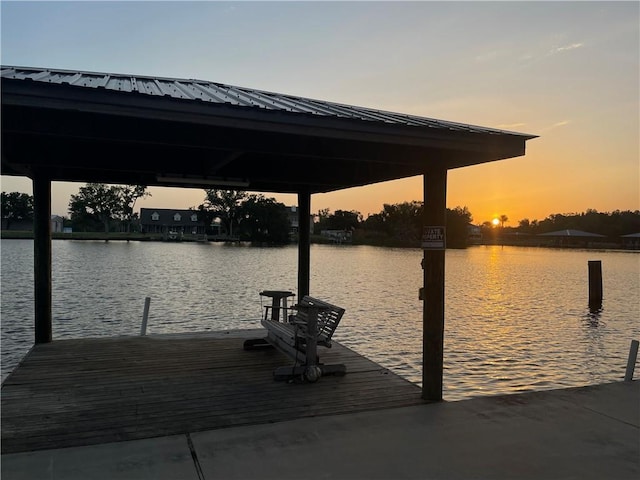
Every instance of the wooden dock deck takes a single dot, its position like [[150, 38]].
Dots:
[[90, 391]]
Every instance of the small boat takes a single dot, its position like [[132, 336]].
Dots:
[[173, 236]]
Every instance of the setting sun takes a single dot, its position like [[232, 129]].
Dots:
[[495, 222]]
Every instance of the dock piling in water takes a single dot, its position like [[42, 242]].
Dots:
[[595, 283], [145, 316], [631, 362]]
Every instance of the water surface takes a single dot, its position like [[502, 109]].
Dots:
[[516, 318]]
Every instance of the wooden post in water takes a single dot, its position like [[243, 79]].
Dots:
[[42, 257], [435, 201], [631, 361], [145, 316], [595, 284]]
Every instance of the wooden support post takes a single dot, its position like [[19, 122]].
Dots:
[[42, 257], [304, 243], [595, 284], [435, 204]]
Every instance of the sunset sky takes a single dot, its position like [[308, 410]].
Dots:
[[566, 71]]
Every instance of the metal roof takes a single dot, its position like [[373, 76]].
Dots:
[[570, 233], [115, 128], [205, 91], [167, 216]]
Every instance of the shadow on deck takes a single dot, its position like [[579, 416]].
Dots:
[[90, 391]]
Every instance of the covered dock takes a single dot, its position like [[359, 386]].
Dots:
[[62, 125], [202, 407]]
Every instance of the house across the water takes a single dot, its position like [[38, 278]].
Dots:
[[169, 221]]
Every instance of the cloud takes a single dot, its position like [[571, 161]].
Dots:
[[487, 57], [527, 59], [556, 125], [566, 48]]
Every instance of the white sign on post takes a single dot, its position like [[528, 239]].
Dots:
[[434, 238]]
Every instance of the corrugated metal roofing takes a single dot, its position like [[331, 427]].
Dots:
[[217, 93], [570, 233]]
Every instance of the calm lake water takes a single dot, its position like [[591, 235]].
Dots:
[[516, 318]]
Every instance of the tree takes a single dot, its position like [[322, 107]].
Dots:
[[100, 203], [524, 225], [264, 220], [323, 214], [129, 194], [401, 225], [340, 220], [458, 221], [225, 205], [345, 220], [16, 206], [403, 222], [503, 219]]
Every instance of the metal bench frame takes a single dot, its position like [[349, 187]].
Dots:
[[299, 336]]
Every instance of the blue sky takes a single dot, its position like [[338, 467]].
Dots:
[[567, 71]]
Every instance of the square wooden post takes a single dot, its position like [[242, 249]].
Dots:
[[304, 243], [435, 204], [42, 258]]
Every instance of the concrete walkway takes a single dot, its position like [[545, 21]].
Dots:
[[582, 433]]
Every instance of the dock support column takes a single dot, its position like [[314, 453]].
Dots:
[[595, 284], [304, 243], [435, 204], [42, 257]]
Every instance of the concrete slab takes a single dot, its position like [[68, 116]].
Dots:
[[609, 399], [153, 459], [577, 433], [552, 435]]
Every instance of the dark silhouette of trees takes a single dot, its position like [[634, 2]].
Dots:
[[264, 220], [102, 204], [398, 224], [611, 224], [16, 207], [129, 195], [458, 220], [254, 217], [401, 225], [340, 220], [249, 217], [225, 205], [95, 203]]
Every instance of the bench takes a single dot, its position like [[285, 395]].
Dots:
[[299, 336]]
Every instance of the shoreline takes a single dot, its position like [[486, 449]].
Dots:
[[315, 239]]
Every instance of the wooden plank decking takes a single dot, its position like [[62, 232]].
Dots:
[[88, 391]]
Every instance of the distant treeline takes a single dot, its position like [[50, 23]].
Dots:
[[401, 225], [611, 224], [257, 218], [397, 225]]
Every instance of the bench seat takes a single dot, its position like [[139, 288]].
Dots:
[[313, 325]]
